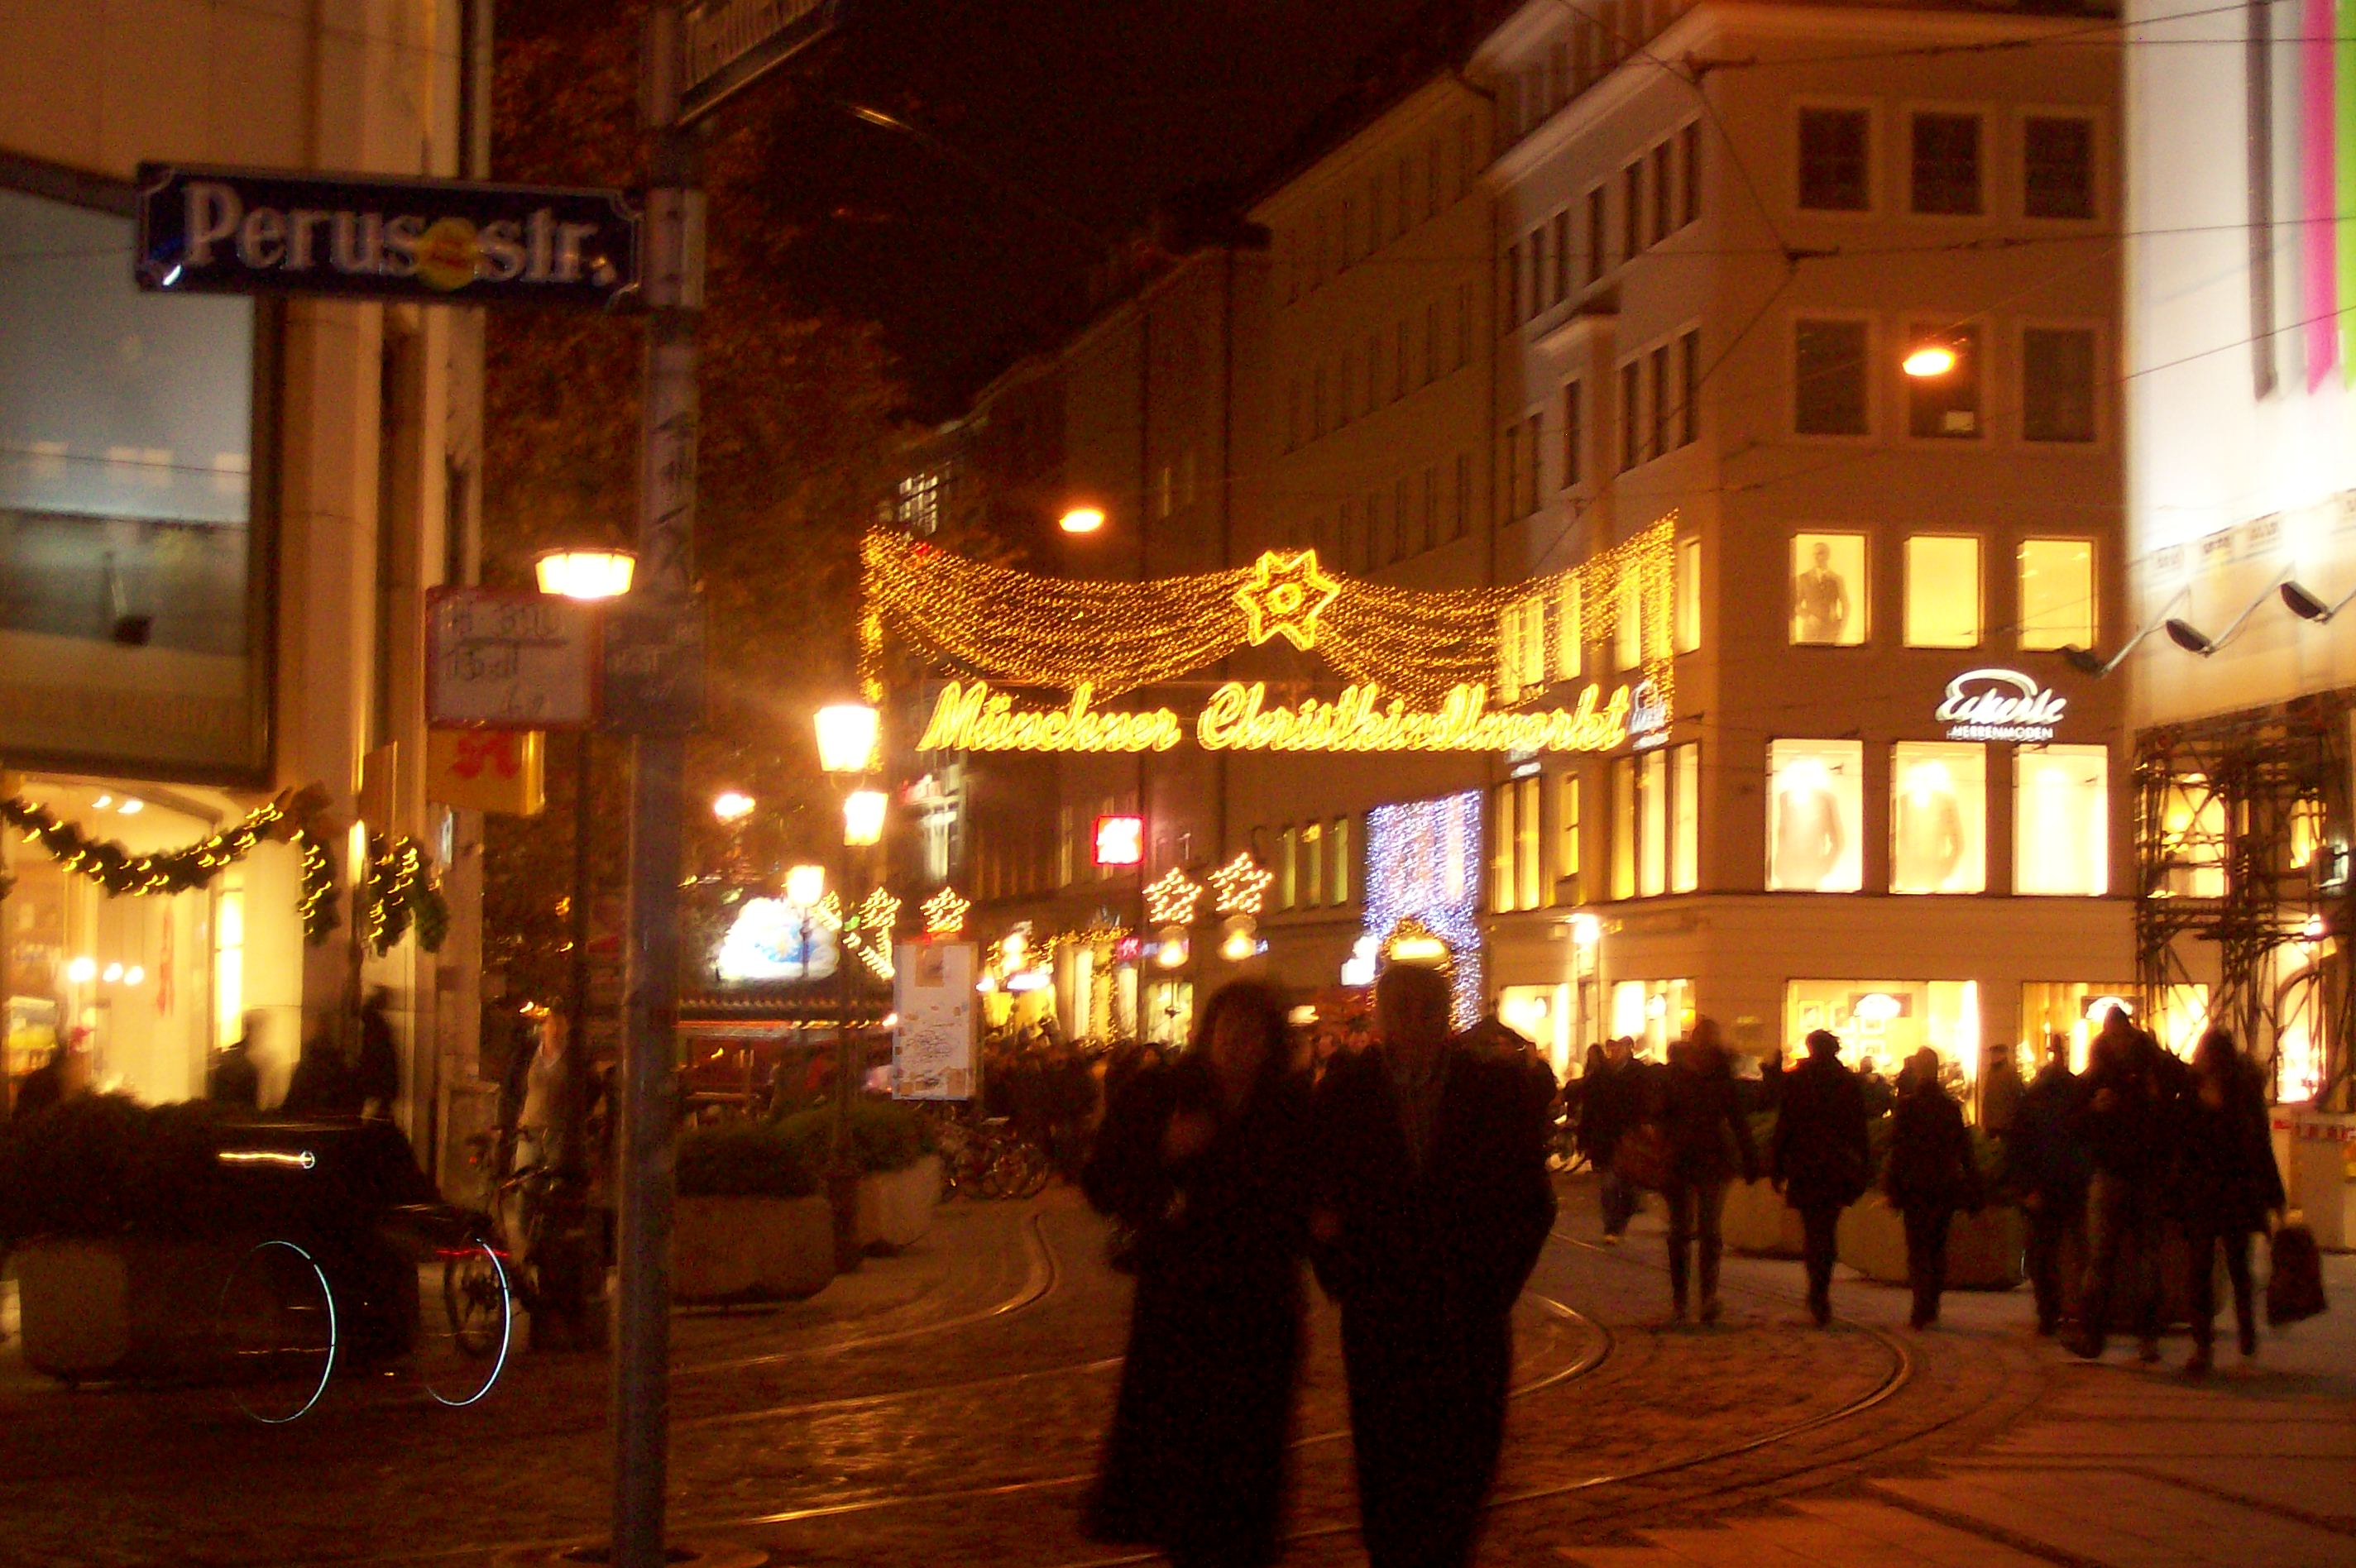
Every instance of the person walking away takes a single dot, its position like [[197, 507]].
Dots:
[[2227, 1183], [2000, 1090], [1930, 1176], [321, 1083], [1820, 1158], [1707, 1132], [1432, 1203], [2120, 1114], [235, 1081], [376, 1076], [1207, 1161], [64, 1076], [1611, 1100], [2048, 1171]]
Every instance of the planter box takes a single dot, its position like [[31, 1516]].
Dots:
[[895, 1207], [735, 1248], [1983, 1250], [123, 1308], [1758, 1221]]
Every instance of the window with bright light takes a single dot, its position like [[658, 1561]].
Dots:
[[1943, 592], [1816, 810], [2060, 815], [1312, 865], [1685, 818], [1624, 827], [1567, 849], [2057, 595], [1938, 817], [1628, 624], [1529, 845], [1531, 654], [1828, 604], [1653, 814], [1688, 595], [1288, 886], [1337, 858], [1569, 631]]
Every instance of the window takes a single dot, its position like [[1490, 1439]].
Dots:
[[2057, 174], [1631, 443], [2057, 375], [1689, 387], [1317, 404], [1337, 860], [1539, 269], [1946, 164], [1596, 221], [1658, 429], [1569, 631], [1518, 863], [1430, 522], [1288, 885], [1829, 590], [1688, 595], [1835, 160], [1464, 156], [1624, 827], [1530, 652], [1464, 325], [1402, 517], [1632, 210], [1938, 817], [2057, 595], [1431, 178], [1574, 432], [2060, 815], [1461, 516], [1510, 293], [1815, 804], [1534, 448], [1312, 865], [1664, 194], [1943, 592], [1829, 377], [1349, 241], [1685, 818], [1403, 182], [1628, 623], [1431, 343], [1689, 159], [1566, 840], [1946, 407], [1558, 285], [1512, 486], [1504, 886], [1653, 818]]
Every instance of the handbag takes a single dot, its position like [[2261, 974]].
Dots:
[[2294, 1282], [1641, 1158]]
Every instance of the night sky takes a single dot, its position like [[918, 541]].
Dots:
[[1094, 109]]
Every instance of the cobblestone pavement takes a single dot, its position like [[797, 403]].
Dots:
[[945, 1405]]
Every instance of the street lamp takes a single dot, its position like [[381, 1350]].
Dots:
[[846, 737], [1932, 360], [733, 806], [846, 749], [1081, 519], [805, 885], [585, 573], [863, 818]]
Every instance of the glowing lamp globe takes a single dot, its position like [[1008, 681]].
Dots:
[[1082, 520], [846, 737], [1931, 359], [863, 816], [733, 806], [805, 885], [585, 573]]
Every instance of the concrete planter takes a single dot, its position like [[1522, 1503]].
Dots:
[[735, 1248], [1983, 1250], [120, 1307], [1758, 1221], [895, 1207]]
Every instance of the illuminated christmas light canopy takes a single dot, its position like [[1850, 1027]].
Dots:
[[1283, 597], [1241, 885], [1173, 899]]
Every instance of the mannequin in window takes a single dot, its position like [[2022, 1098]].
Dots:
[[1809, 838], [1819, 600], [1927, 836]]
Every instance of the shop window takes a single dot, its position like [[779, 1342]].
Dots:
[[1938, 817], [1881, 1023], [1540, 1014], [1312, 865], [1835, 160], [2069, 1014], [2057, 595], [2057, 377], [1943, 592], [1624, 827], [1688, 595], [1815, 804], [1829, 377], [1566, 840], [1337, 860], [2057, 166], [2061, 813], [1946, 407], [1653, 1013], [1685, 818], [1574, 434], [1569, 631], [1653, 832], [1946, 164], [1828, 607]]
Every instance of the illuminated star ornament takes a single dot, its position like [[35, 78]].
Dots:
[[1173, 899], [1241, 885], [1284, 596], [945, 913]]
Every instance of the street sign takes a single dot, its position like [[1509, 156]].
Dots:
[[209, 229], [732, 44], [653, 669], [501, 659]]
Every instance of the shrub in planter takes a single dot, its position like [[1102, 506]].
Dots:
[[746, 1159], [750, 1225], [884, 1136]]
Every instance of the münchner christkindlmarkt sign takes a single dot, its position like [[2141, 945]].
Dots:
[[1418, 665]]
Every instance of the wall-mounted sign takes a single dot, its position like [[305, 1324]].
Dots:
[[1648, 716], [208, 230], [1999, 705], [499, 659], [969, 717]]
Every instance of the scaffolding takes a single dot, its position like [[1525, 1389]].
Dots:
[[2243, 826]]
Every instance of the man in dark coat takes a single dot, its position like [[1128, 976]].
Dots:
[[1820, 1159], [2122, 1112], [1930, 1176], [1432, 1205], [375, 1077], [2048, 1171], [1707, 1133], [1611, 1100], [2227, 1182], [234, 1080]]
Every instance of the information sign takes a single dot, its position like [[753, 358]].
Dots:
[[732, 44], [653, 669], [503, 659], [933, 1046]]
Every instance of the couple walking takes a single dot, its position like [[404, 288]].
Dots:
[[1413, 1177]]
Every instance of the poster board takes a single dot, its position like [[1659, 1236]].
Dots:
[[933, 1055]]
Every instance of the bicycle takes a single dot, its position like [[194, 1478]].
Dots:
[[486, 1278], [987, 1158]]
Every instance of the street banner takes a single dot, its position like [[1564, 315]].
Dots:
[[205, 229], [494, 771], [732, 44], [933, 1047], [507, 659]]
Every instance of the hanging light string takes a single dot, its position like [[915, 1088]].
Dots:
[[403, 892]]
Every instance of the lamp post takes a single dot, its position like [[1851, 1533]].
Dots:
[[591, 575], [846, 750]]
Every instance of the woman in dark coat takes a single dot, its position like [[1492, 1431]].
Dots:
[[1707, 1132], [2226, 1183], [1930, 1176], [1205, 1158], [1820, 1157]]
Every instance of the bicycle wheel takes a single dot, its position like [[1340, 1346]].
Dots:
[[277, 1332], [1032, 1173], [992, 1170], [461, 1362]]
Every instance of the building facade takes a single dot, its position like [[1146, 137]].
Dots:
[[218, 519]]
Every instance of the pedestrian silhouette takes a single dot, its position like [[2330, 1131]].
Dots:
[[1707, 1136], [1820, 1158], [1928, 1177]]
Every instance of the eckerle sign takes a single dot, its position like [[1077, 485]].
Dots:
[[226, 230], [1999, 705]]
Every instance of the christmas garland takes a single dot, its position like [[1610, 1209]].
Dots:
[[402, 892], [287, 819]]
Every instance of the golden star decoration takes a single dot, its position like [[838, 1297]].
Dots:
[[1242, 885], [1173, 899], [945, 913], [1284, 597]]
